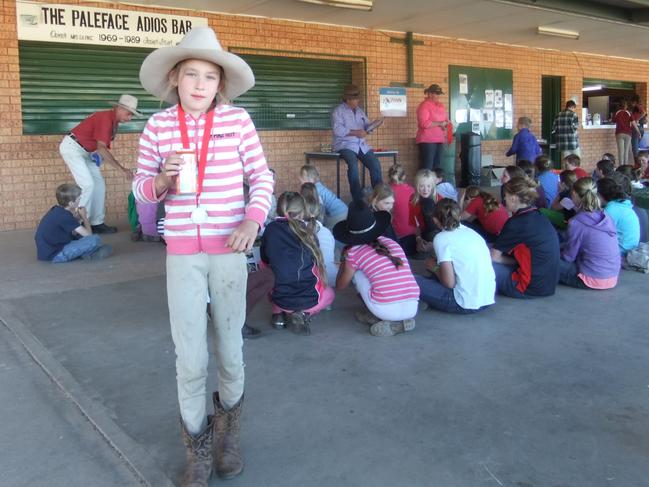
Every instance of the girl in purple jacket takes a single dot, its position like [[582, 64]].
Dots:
[[590, 258]]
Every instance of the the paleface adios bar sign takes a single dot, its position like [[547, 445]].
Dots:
[[76, 24]]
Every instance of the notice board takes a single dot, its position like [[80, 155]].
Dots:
[[481, 99]]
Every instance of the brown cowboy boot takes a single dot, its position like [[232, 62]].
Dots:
[[199, 455], [229, 462]]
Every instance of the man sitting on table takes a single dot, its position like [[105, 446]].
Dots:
[[350, 127]]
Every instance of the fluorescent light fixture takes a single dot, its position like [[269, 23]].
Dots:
[[552, 31], [355, 4], [592, 88]]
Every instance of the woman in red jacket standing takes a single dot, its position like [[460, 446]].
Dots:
[[432, 121]]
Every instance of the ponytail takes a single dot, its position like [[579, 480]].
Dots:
[[490, 203], [523, 188], [586, 189], [381, 249], [305, 232], [292, 206]]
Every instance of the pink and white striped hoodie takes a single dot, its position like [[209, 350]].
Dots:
[[234, 153]]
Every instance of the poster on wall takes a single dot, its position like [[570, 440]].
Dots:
[[498, 98], [508, 102], [488, 99], [464, 84], [393, 102], [76, 24]]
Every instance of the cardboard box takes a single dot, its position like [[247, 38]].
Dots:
[[490, 176]]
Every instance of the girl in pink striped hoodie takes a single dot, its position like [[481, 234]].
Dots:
[[195, 155]]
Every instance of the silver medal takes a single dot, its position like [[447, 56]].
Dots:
[[199, 215]]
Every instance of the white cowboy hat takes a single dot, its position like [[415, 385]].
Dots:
[[128, 102], [199, 43]]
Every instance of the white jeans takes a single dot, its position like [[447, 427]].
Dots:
[[397, 311], [188, 279], [623, 149], [88, 176]]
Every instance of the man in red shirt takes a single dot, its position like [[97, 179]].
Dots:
[[86, 147]]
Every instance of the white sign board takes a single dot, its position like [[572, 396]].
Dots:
[[393, 102], [87, 25]]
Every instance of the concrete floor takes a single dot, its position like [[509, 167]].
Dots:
[[551, 392]]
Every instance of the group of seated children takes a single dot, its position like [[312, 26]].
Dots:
[[569, 228], [550, 228]]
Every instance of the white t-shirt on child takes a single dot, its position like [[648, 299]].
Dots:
[[475, 280]]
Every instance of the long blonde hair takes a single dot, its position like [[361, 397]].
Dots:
[[422, 175], [313, 208], [291, 205]]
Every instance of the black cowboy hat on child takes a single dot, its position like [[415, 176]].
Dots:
[[362, 225]]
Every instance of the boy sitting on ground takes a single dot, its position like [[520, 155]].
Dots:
[[60, 237]]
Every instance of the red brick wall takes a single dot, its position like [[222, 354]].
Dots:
[[31, 168]]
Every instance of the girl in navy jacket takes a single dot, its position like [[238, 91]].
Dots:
[[290, 247]]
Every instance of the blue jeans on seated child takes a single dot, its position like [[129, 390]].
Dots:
[[568, 275], [78, 248], [436, 295], [505, 285]]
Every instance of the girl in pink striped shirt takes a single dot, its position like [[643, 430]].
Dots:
[[379, 270], [212, 146]]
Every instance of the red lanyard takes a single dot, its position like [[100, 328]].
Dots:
[[207, 133]]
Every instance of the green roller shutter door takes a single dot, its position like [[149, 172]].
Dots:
[[294, 93], [61, 84]]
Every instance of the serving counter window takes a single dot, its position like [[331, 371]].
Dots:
[[602, 98]]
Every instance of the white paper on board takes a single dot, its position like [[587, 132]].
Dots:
[[474, 114], [464, 84], [508, 102], [498, 99], [461, 115], [487, 116], [509, 120], [500, 119], [488, 99]]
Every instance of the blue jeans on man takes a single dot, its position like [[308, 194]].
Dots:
[[85, 246], [370, 161]]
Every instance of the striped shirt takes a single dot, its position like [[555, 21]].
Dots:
[[389, 283], [234, 154]]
